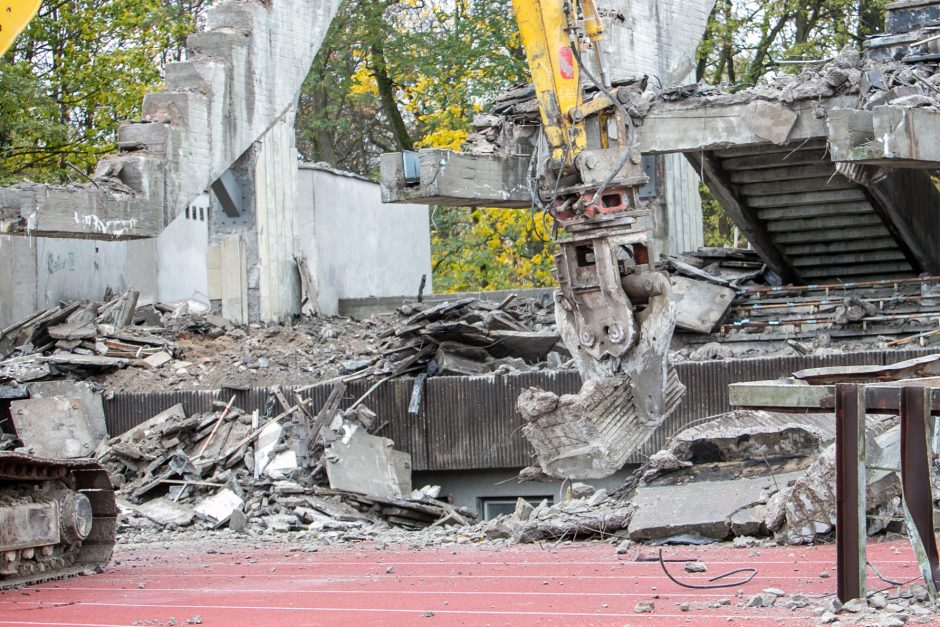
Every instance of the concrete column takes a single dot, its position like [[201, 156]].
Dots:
[[275, 204], [659, 38]]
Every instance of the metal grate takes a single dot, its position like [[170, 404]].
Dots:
[[471, 422]]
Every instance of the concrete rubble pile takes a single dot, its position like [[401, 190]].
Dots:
[[584, 513], [155, 347], [467, 336], [80, 339], [770, 474], [298, 470], [714, 481]]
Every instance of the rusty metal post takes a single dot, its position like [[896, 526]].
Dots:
[[851, 530], [916, 434]]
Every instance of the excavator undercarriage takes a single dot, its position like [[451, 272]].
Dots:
[[57, 518]]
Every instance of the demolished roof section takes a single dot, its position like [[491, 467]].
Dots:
[[826, 171]]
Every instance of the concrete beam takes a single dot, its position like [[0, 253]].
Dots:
[[699, 126], [458, 180], [107, 209], [893, 136]]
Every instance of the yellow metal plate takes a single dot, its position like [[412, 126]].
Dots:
[[14, 16]]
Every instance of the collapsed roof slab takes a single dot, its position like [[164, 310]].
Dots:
[[241, 76]]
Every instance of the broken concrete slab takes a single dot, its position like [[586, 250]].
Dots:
[[54, 427], [153, 425], [157, 359], [219, 507], [368, 464], [700, 306], [270, 462], [666, 511], [589, 435], [81, 391], [749, 435], [163, 511]]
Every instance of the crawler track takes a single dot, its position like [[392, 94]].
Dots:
[[39, 479]]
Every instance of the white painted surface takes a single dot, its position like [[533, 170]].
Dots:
[[356, 246], [183, 256], [275, 205]]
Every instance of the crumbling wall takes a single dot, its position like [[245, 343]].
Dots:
[[38, 272], [242, 74]]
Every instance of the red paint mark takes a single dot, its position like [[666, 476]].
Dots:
[[566, 65]]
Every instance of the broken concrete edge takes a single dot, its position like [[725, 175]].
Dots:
[[886, 135]]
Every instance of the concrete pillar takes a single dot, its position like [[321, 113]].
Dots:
[[275, 204], [659, 38]]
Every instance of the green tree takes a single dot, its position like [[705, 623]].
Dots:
[[413, 74], [78, 71], [746, 39]]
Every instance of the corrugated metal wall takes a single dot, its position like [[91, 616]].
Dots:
[[471, 423]]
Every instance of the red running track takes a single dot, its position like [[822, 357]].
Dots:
[[571, 584]]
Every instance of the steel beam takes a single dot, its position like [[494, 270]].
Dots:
[[916, 435], [851, 530]]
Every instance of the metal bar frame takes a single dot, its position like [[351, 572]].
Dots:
[[917, 427], [851, 530], [918, 405]]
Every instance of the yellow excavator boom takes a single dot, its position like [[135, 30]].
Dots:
[[544, 27], [14, 16]]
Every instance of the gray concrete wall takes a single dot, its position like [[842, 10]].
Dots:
[[38, 272], [470, 487], [660, 38], [358, 246], [182, 253]]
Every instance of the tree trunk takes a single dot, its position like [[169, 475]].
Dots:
[[387, 95]]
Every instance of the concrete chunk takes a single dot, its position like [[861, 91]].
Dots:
[[77, 390], [703, 507], [770, 121], [54, 427], [218, 508], [359, 462], [165, 512]]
